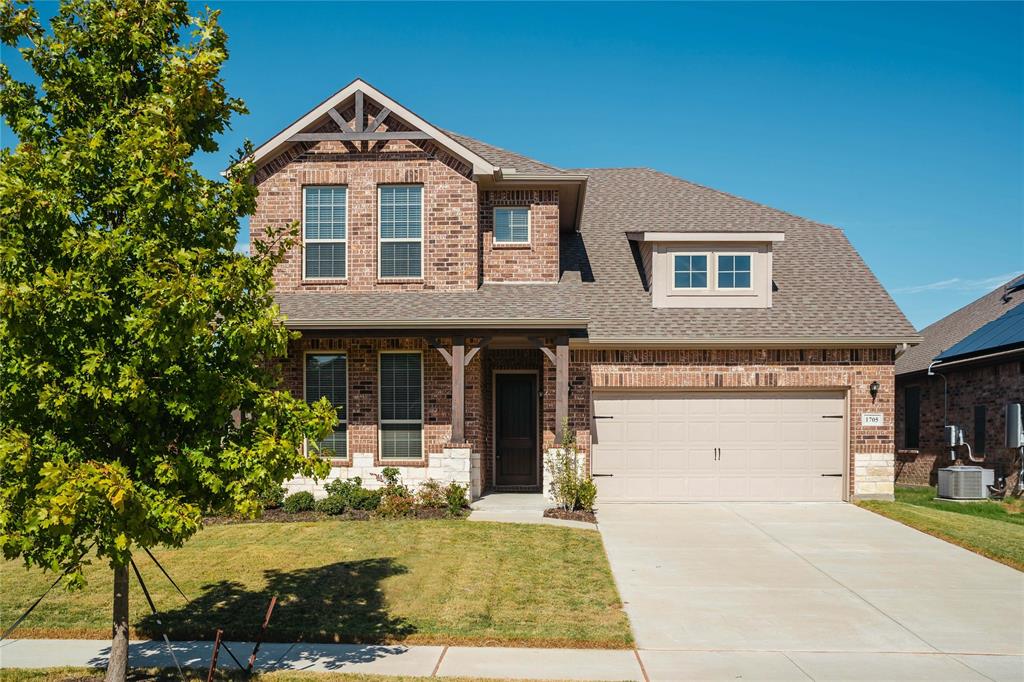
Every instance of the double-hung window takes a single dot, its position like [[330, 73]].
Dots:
[[401, 231], [733, 271], [326, 376], [324, 232], [690, 271], [511, 226], [401, 405]]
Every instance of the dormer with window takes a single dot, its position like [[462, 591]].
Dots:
[[708, 269]]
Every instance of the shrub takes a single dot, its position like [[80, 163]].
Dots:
[[455, 498], [271, 496], [570, 488], [586, 494], [298, 502], [396, 505], [351, 490], [432, 494], [332, 505]]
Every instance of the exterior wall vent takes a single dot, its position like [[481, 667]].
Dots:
[[965, 483]]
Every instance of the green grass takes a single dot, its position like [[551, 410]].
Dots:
[[990, 528], [415, 581], [169, 675]]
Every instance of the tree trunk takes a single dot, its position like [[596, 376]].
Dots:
[[117, 666]]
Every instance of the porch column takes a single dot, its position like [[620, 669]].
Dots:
[[561, 385], [458, 363]]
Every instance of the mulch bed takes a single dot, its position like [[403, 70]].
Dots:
[[585, 516], [279, 515]]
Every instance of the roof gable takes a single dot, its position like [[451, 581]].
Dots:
[[359, 128]]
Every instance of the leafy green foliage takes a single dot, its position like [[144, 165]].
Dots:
[[299, 502], [332, 505], [570, 486], [352, 492], [430, 494], [130, 329], [455, 498]]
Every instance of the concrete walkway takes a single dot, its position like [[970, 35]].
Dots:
[[797, 591], [519, 508], [531, 664]]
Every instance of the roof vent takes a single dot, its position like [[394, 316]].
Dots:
[[1014, 286]]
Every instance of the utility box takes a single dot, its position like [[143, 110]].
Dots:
[[1014, 426]]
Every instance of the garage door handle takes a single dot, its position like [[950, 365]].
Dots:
[[833, 475], [831, 416], [601, 475], [603, 416]]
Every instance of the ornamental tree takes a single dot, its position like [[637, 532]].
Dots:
[[137, 348]]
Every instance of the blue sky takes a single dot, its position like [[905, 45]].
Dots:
[[901, 123]]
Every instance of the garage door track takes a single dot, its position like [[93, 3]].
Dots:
[[808, 590]]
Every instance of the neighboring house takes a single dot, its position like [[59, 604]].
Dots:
[[458, 302], [976, 357]]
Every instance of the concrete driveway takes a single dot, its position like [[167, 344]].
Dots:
[[808, 591]]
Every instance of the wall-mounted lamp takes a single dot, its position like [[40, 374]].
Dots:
[[873, 389]]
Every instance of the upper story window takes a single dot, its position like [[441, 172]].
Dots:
[[734, 271], [326, 376], [512, 226], [690, 271], [401, 405], [324, 232], [401, 231]]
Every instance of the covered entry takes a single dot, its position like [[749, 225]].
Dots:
[[721, 445]]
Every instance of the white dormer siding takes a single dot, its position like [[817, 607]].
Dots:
[[708, 269]]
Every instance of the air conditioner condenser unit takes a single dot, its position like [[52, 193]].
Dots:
[[965, 483]]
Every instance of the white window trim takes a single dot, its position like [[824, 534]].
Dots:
[[305, 241], [305, 397], [710, 260], [494, 226], [719, 254], [397, 240], [420, 421]]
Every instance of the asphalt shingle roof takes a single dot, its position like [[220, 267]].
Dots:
[[948, 332], [503, 158]]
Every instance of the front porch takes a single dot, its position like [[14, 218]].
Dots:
[[472, 409]]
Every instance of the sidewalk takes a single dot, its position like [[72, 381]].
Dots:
[[462, 661]]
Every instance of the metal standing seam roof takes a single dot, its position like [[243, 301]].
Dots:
[[823, 288], [943, 335]]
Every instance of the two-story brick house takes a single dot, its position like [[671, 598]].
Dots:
[[457, 302]]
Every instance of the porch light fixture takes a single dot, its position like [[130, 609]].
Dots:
[[873, 389]]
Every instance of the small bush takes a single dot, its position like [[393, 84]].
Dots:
[[271, 496], [394, 506], [586, 494], [455, 498], [299, 502], [332, 505], [432, 495], [351, 490]]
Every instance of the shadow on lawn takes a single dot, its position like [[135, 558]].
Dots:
[[340, 602]]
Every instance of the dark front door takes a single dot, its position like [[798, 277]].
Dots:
[[515, 429]]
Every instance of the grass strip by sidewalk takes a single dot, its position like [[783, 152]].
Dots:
[[414, 581], [992, 529], [170, 675]]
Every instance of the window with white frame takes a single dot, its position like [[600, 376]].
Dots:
[[733, 271], [326, 376], [401, 231], [324, 232], [512, 226], [401, 405], [690, 271]]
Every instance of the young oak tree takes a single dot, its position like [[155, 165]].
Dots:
[[129, 328]]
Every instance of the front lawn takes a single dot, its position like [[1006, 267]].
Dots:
[[990, 528], [194, 675], [415, 581]]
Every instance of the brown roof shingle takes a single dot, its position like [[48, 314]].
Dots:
[[954, 327]]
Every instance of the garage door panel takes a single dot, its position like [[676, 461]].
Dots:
[[774, 446]]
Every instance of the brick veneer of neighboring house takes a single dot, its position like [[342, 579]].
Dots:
[[989, 385], [533, 262]]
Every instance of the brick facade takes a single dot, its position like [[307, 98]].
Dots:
[[970, 386], [533, 262]]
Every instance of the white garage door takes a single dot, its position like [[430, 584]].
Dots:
[[718, 446]]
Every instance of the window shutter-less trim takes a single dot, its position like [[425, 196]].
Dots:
[[326, 376], [512, 225], [401, 231], [324, 232], [401, 405]]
